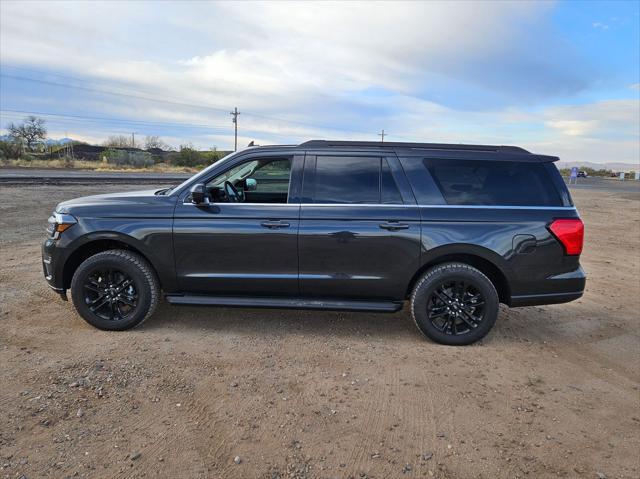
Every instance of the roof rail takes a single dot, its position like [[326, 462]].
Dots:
[[425, 146]]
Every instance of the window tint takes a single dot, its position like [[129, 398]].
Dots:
[[347, 180], [390, 194], [506, 183], [273, 177], [264, 180]]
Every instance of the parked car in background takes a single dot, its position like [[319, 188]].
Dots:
[[453, 230]]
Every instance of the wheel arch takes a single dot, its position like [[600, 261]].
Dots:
[[96, 243], [485, 260]]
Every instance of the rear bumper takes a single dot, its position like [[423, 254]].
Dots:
[[560, 288]]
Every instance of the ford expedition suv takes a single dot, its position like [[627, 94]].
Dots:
[[361, 226]]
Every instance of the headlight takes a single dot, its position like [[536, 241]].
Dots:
[[59, 222]]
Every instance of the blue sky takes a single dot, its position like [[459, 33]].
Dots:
[[556, 77]]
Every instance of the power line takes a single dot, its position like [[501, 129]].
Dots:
[[119, 120], [82, 119], [172, 102], [109, 92]]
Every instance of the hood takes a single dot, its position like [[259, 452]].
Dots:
[[128, 204]]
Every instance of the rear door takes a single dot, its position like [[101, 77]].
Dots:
[[359, 234]]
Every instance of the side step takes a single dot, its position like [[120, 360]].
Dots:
[[285, 303]]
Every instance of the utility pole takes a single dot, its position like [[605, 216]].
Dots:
[[133, 139], [381, 135], [235, 114]]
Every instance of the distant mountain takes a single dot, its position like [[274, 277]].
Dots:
[[48, 141], [62, 141], [613, 166]]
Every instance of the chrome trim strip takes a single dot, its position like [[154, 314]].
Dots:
[[279, 276], [189, 203], [500, 207], [241, 276], [481, 207], [369, 205]]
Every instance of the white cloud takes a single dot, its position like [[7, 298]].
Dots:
[[250, 50]]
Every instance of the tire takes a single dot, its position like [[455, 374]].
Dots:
[[131, 300], [454, 304]]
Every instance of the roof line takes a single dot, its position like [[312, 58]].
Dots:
[[426, 146]]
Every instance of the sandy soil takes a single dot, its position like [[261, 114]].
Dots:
[[551, 392]]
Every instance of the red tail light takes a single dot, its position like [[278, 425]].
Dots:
[[570, 232]]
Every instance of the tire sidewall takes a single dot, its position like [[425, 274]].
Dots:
[[111, 260], [432, 280]]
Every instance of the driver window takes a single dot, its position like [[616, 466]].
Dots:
[[264, 180]]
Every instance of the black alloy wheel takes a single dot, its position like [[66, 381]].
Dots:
[[115, 289], [454, 304], [456, 307], [110, 294]]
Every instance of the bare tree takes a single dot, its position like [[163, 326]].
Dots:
[[118, 141], [154, 142], [30, 131]]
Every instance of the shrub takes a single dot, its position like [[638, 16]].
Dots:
[[187, 156], [137, 159], [10, 150]]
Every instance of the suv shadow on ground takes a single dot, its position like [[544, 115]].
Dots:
[[278, 323]]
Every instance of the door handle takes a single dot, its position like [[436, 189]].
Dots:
[[394, 226], [274, 224]]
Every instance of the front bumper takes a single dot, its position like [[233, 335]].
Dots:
[[560, 288], [53, 259]]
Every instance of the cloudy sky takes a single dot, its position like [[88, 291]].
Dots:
[[556, 77]]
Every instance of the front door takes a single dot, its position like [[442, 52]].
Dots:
[[245, 241], [359, 228]]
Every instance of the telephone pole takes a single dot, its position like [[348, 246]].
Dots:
[[381, 135], [235, 114], [133, 139]]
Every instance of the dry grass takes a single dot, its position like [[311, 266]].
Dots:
[[98, 166]]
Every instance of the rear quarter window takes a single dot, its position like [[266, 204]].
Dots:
[[493, 183]]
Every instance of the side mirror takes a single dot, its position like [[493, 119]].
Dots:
[[251, 184], [199, 194]]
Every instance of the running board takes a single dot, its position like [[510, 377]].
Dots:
[[285, 303]]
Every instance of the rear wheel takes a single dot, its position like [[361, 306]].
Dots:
[[454, 304], [115, 290]]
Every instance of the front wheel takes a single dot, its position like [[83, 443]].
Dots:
[[454, 304], [115, 290]]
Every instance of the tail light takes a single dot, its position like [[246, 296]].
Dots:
[[570, 232]]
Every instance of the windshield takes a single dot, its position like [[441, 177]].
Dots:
[[168, 191]]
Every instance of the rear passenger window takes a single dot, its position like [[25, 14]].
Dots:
[[497, 183], [354, 180]]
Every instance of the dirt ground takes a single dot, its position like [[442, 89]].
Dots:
[[551, 392]]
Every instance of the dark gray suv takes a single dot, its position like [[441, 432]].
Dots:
[[361, 226]]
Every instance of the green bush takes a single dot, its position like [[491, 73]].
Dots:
[[10, 150], [210, 157], [187, 156], [137, 159]]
